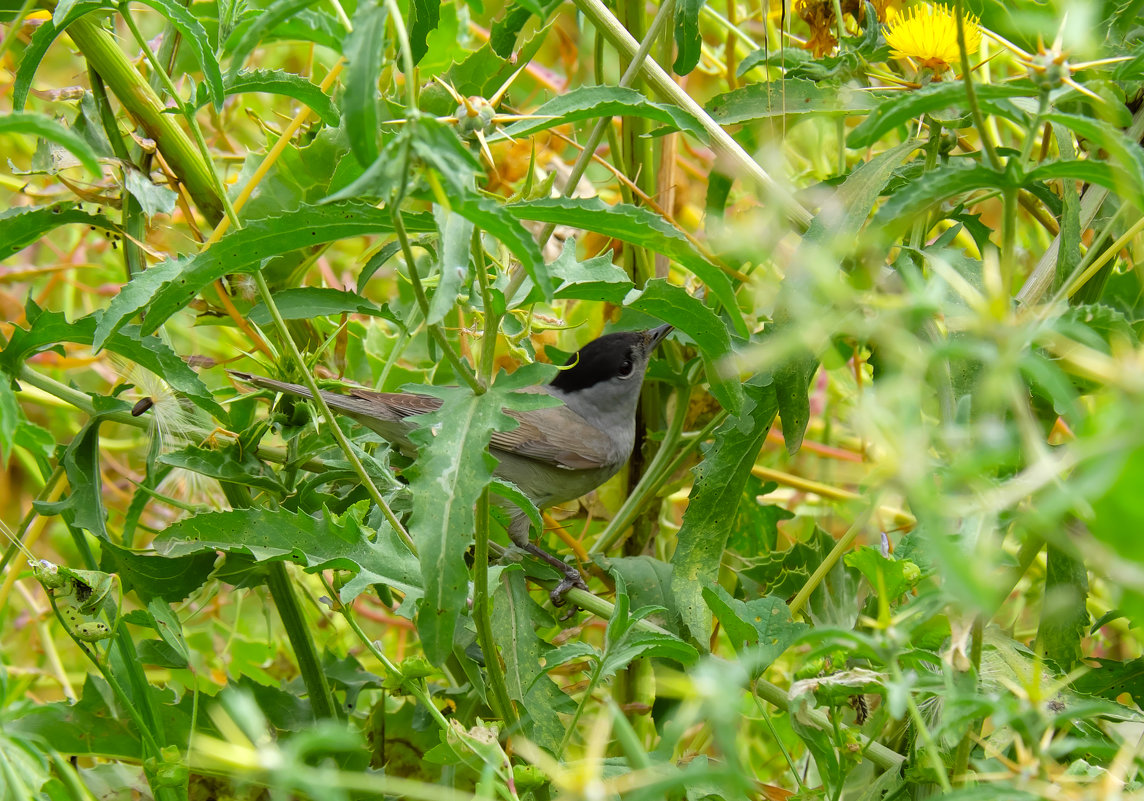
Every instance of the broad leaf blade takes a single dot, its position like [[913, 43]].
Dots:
[[714, 500]]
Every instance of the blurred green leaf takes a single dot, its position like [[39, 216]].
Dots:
[[364, 48], [24, 122], [593, 102]]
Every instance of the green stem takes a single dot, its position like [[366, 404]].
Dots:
[[667, 89], [933, 146], [460, 368], [309, 665], [492, 319], [185, 108], [970, 92], [140, 100], [482, 616], [327, 414]]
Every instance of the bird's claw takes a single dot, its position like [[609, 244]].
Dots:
[[572, 579]]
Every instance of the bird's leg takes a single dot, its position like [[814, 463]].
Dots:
[[519, 532], [572, 577]]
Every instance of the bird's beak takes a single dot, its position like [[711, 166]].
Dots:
[[657, 335]]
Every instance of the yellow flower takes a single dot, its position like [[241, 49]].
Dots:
[[928, 34]]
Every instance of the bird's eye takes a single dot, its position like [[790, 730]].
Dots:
[[626, 368]]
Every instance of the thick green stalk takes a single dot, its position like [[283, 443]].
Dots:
[[99, 48], [667, 89], [309, 665]]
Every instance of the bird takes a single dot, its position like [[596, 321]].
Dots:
[[557, 453]]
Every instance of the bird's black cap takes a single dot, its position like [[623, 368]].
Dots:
[[616, 355]]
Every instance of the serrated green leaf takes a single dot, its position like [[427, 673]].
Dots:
[[758, 101], [637, 226], [759, 630], [364, 48], [498, 220], [453, 269], [454, 466], [26, 122], [265, 21], [167, 287], [675, 305], [624, 641], [20, 227], [37, 48], [305, 303], [280, 82], [424, 16], [153, 199], [597, 278], [1122, 151], [898, 109], [688, 43], [233, 465], [713, 504], [150, 576], [592, 102], [315, 543], [195, 37], [515, 617], [944, 181], [48, 329]]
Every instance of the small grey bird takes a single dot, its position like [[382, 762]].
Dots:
[[557, 453]]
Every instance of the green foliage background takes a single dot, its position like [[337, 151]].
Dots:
[[923, 276]]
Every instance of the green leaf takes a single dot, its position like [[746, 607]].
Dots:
[[424, 16], [11, 417], [37, 48], [315, 543], [592, 102], [364, 48], [624, 641], [713, 504], [47, 329], [944, 181], [597, 278], [265, 21], [515, 617], [637, 226], [673, 304], [83, 506], [232, 464], [305, 303], [453, 269], [688, 43], [499, 221], [1122, 151], [1064, 616], [167, 287], [888, 577], [150, 576], [759, 101], [759, 630], [20, 227], [454, 466], [280, 82], [26, 122], [900, 108], [153, 199], [196, 38]]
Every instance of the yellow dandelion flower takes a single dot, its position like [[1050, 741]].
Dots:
[[928, 34]]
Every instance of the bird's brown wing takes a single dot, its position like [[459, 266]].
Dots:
[[556, 436]]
